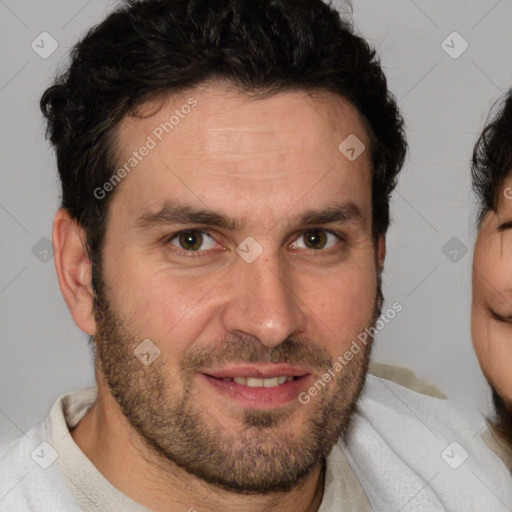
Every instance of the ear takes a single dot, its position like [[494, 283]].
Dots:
[[74, 270], [381, 251]]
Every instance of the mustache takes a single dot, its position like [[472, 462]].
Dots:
[[292, 351]]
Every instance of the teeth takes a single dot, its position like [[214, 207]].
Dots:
[[271, 383], [252, 382]]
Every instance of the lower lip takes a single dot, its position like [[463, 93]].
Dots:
[[259, 398]]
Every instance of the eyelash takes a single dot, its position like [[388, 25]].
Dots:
[[505, 226], [500, 318], [197, 254]]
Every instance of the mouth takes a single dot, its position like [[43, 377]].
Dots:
[[269, 382], [258, 387]]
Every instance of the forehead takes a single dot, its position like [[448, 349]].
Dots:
[[247, 148]]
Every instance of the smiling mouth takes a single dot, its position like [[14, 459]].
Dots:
[[253, 382], [258, 389]]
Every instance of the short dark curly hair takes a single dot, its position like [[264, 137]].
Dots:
[[147, 48], [492, 156]]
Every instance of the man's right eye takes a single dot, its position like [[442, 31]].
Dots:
[[192, 240]]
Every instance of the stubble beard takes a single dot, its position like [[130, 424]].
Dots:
[[176, 429]]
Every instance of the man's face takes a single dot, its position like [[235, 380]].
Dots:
[[491, 315], [273, 167]]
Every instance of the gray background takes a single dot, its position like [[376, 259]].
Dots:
[[444, 101]]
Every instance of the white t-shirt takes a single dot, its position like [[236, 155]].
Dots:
[[406, 451]]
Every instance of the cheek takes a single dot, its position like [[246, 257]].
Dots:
[[173, 308], [494, 351], [492, 272], [344, 301], [480, 331], [492, 339], [158, 304]]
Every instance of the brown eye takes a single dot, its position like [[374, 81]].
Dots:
[[192, 241], [315, 239]]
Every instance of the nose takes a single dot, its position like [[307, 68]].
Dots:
[[263, 303]]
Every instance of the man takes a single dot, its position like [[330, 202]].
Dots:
[[226, 171]]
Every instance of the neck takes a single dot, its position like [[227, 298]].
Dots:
[[118, 452]]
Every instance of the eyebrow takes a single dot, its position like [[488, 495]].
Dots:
[[170, 213]]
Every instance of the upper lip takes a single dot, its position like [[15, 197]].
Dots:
[[262, 371]]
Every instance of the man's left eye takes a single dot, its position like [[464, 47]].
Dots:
[[316, 239]]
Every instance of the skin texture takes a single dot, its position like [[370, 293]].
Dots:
[[161, 433], [491, 319]]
